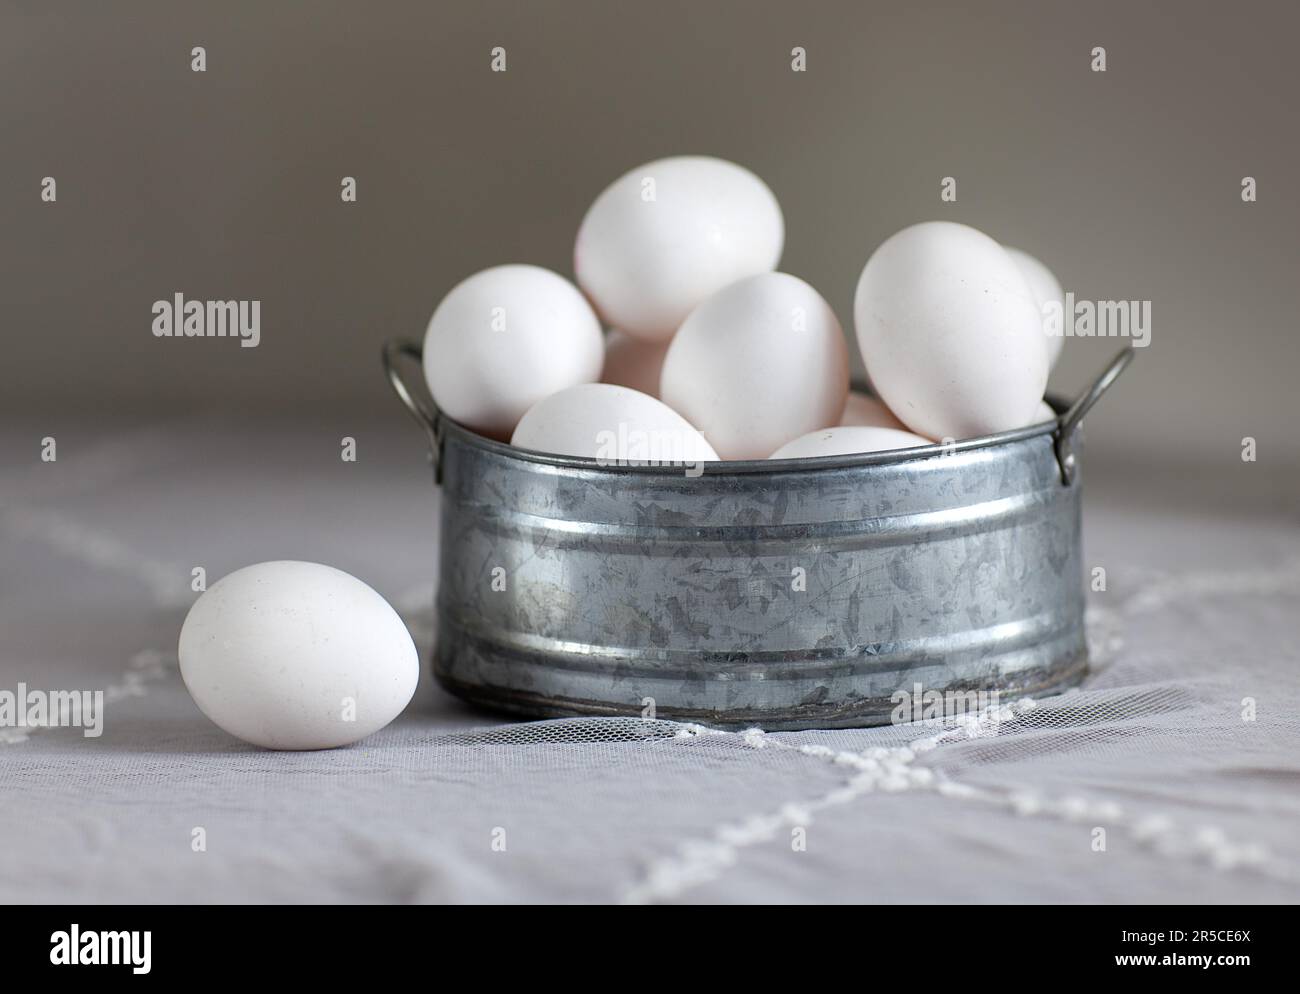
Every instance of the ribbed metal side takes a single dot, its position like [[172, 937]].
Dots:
[[782, 598]]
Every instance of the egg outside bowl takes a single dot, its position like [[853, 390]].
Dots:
[[804, 593]]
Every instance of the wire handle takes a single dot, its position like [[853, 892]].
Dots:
[[1069, 423], [426, 413]]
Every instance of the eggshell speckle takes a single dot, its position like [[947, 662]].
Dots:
[[294, 655], [846, 440], [759, 363], [612, 424], [950, 332], [670, 233], [503, 339]]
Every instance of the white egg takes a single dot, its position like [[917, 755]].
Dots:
[[950, 332], [759, 363], [666, 235], [503, 339], [846, 440], [614, 425], [863, 411], [1047, 291], [292, 655], [633, 362], [1043, 412]]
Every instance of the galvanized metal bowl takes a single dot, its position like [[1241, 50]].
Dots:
[[783, 594]]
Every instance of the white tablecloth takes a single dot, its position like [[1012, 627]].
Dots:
[[1151, 783]]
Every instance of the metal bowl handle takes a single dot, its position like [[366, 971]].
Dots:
[[1067, 430], [425, 412]]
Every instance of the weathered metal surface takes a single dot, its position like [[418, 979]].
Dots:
[[796, 594]]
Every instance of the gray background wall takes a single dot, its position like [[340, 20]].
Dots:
[[226, 183]]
